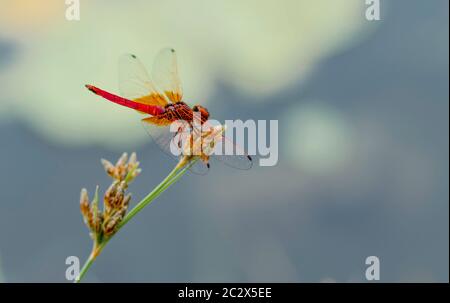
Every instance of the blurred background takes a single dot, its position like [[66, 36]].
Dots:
[[363, 140]]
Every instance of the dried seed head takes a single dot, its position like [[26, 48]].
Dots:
[[124, 170], [122, 160], [92, 217], [133, 169], [109, 167], [133, 159], [115, 200], [110, 226], [85, 208], [98, 223], [126, 201], [84, 198], [114, 196]]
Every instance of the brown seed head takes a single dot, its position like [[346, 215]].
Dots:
[[115, 200]]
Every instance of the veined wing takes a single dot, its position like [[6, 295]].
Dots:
[[243, 162], [165, 74], [238, 159], [135, 83], [169, 142]]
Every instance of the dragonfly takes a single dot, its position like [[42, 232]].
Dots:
[[160, 98]]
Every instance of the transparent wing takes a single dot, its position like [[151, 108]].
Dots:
[[199, 167], [159, 129], [135, 83], [165, 74], [238, 159], [243, 162], [171, 142]]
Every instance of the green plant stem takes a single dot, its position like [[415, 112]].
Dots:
[[94, 254], [171, 178]]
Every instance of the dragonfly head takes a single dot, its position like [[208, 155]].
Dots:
[[203, 111]]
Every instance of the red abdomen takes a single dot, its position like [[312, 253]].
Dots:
[[153, 110]]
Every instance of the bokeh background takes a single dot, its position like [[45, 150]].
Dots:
[[363, 140]]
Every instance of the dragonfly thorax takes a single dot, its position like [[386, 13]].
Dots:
[[203, 111], [182, 111]]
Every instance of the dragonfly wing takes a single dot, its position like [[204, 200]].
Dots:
[[135, 83], [238, 159], [199, 167], [159, 129], [165, 74]]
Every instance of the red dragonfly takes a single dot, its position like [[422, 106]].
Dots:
[[162, 100]]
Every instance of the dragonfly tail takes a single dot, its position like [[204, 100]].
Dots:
[[153, 110]]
